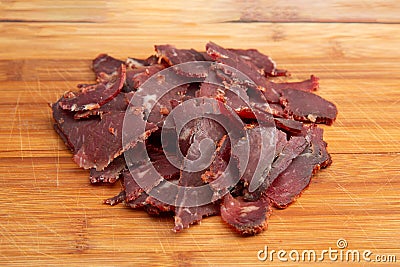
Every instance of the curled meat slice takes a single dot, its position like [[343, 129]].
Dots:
[[246, 217], [94, 96], [264, 63], [106, 64], [308, 107], [291, 182]]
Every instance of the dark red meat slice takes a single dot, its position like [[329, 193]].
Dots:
[[290, 150], [110, 174], [187, 216], [247, 68], [291, 182], [309, 85], [136, 77], [137, 63], [105, 63], [135, 156], [247, 218], [264, 63], [118, 103], [287, 125], [308, 107], [112, 201], [174, 56], [262, 150], [94, 96], [84, 136]]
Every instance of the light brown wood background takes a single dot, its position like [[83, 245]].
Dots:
[[51, 215]]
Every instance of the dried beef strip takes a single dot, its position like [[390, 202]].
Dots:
[[258, 164], [291, 182], [104, 63], [292, 148], [110, 174], [94, 96], [174, 56], [253, 76], [118, 103], [245, 217], [109, 131], [291, 126], [84, 136], [308, 107], [137, 76], [309, 85], [185, 216], [263, 62], [112, 201], [132, 62]]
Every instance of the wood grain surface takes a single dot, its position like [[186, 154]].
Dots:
[[51, 215]]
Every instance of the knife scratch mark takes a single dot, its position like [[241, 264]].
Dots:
[[14, 119]]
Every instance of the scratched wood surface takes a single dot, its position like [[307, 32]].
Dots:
[[51, 215]]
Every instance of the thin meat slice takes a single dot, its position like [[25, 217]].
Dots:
[[118, 103], [251, 75], [184, 217], [109, 131], [262, 149], [245, 217], [110, 174], [308, 85], [84, 135], [291, 182], [137, 76], [104, 63], [264, 63], [290, 126], [112, 201], [134, 157], [308, 107], [132, 62], [290, 150], [174, 56], [94, 96]]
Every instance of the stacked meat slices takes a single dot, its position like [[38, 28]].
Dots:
[[90, 121]]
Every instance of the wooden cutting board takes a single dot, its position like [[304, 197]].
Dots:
[[51, 215]]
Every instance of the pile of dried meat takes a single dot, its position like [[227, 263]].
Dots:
[[92, 122]]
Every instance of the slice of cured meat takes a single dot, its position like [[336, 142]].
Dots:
[[174, 56], [118, 103], [309, 85], [184, 215], [106, 64], [110, 174], [85, 135], [264, 63], [287, 153], [187, 216], [136, 77], [132, 62], [248, 72], [245, 217], [291, 182], [94, 96], [308, 107]]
